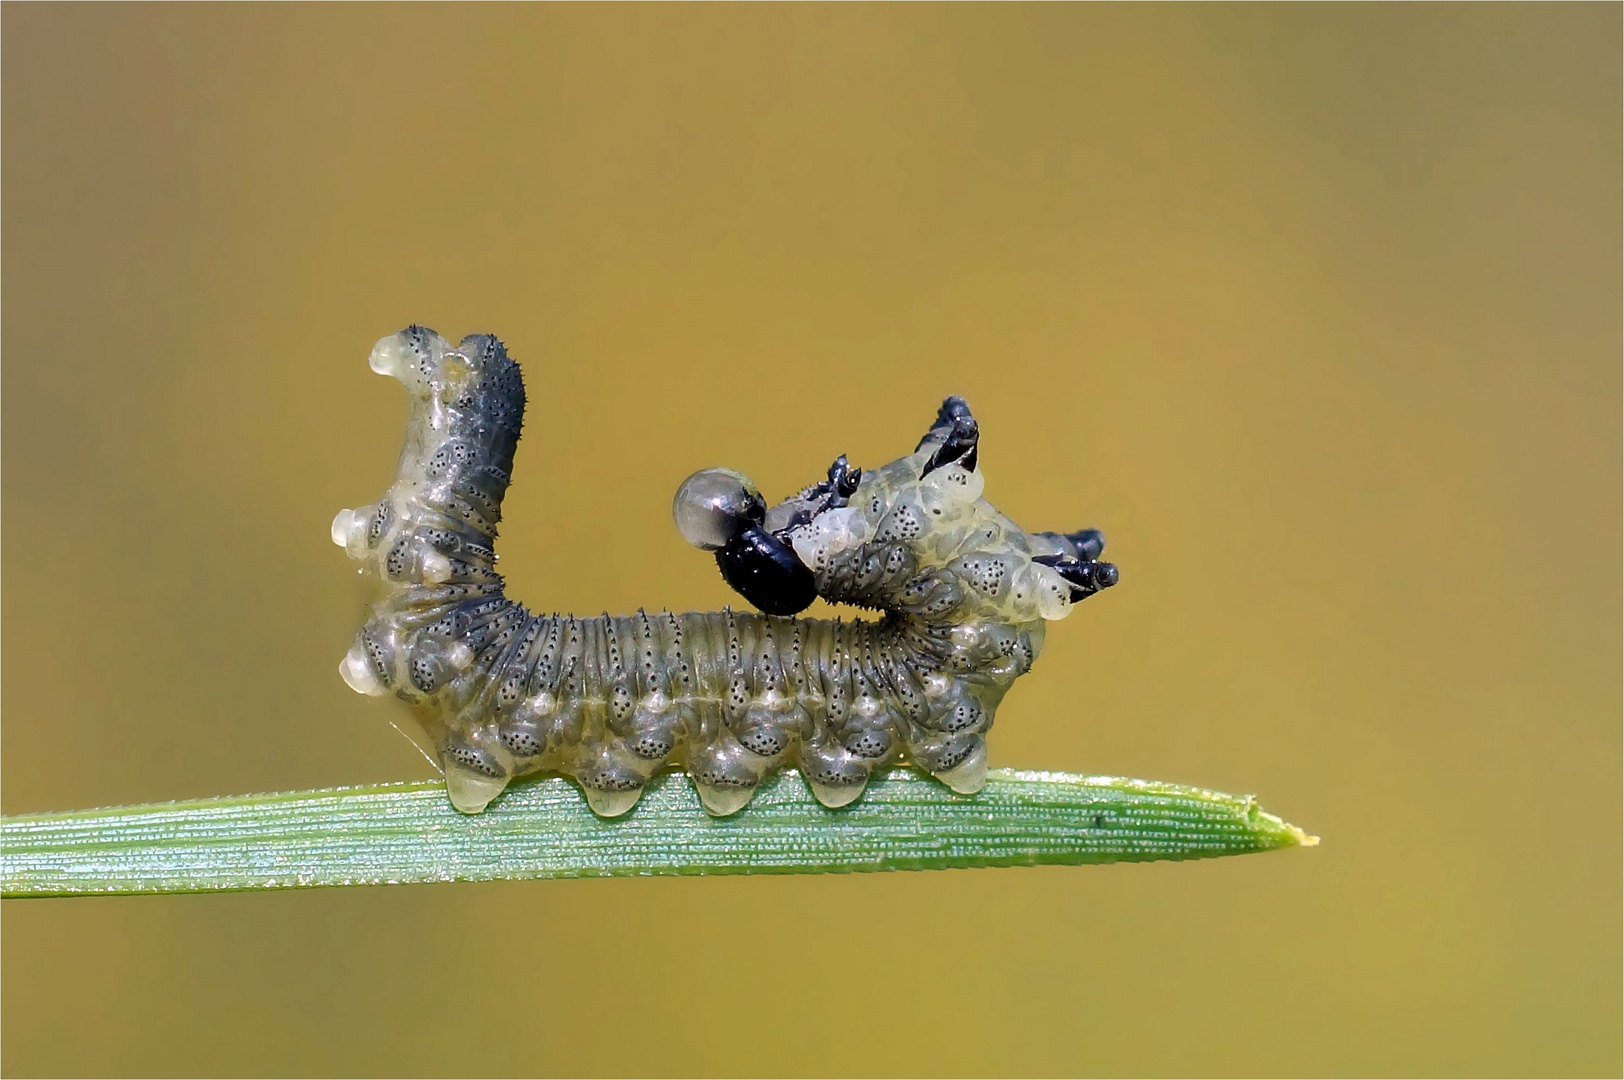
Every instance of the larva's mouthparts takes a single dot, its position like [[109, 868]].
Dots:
[[963, 593]]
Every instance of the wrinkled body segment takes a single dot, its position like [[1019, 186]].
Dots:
[[963, 595]]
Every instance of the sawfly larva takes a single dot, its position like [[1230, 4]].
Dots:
[[963, 595]]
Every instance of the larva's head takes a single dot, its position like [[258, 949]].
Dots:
[[914, 536], [720, 510]]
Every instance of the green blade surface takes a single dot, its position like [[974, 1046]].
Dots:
[[408, 832]]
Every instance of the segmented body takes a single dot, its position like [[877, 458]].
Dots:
[[729, 695]]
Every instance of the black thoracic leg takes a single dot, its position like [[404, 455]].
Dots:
[[843, 480], [831, 494], [1078, 561], [957, 433]]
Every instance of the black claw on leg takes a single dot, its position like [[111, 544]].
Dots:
[[1085, 578], [1078, 561], [957, 435], [843, 479], [831, 494]]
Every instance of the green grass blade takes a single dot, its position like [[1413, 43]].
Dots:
[[398, 833]]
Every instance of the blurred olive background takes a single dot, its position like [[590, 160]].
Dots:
[[1314, 310]]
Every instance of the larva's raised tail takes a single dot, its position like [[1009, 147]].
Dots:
[[729, 696], [427, 546], [467, 412]]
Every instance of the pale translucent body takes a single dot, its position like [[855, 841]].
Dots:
[[728, 696]]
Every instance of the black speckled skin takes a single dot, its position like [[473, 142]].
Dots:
[[963, 595]]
